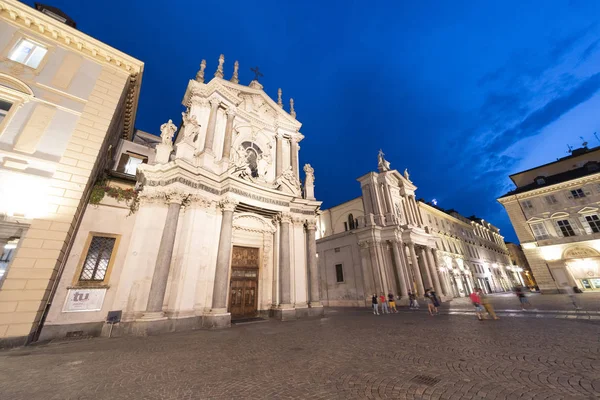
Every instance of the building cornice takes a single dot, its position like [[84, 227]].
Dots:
[[548, 189], [64, 35]]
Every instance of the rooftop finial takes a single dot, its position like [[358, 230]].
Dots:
[[279, 101], [257, 73], [292, 111], [219, 71], [200, 74], [234, 78]]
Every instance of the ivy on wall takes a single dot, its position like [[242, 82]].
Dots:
[[102, 188]]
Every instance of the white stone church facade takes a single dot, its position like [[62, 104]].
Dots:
[[387, 241], [223, 228]]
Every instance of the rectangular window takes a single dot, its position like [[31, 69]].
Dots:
[[337, 249], [97, 259], [594, 222], [28, 52], [129, 162], [527, 204], [551, 199], [4, 109], [539, 231], [345, 226], [339, 273], [577, 193], [565, 227]]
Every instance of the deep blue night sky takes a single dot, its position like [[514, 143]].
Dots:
[[460, 93]]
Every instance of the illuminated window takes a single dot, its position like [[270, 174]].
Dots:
[[577, 194], [594, 222], [339, 273], [28, 52], [98, 259], [565, 227], [129, 162]]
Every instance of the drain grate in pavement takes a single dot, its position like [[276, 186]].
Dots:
[[425, 380]]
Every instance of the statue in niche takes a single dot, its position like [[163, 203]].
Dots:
[[191, 127], [407, 175], [167, 131], [382, 164]]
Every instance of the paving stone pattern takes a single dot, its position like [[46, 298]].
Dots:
[[349, 354]]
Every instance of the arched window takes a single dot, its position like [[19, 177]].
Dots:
[[351, 222]]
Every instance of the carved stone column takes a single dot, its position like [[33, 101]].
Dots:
[[210, 128], [228, 134], [367, 271], [158, 287], [313, 271], [399, 268], [294, 156], [279, 155], [416, 271], [434, 271], [286, 309], [219, 317], [425, 268]]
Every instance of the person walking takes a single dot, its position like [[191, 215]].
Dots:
[[432, 302], [384, 304], [476, 300], [571, 293], [413, 303], [374, 304], [392, 302], [522, 298], [485, 302]]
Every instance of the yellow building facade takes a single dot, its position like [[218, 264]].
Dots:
[[65, 100]]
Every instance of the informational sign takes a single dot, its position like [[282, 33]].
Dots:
[[84, 300]]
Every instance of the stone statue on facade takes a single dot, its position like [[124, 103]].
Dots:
[[309, 182], [241, 165], [382, 164], [263, 165], [191, 127], [407, 175], [167, 131]]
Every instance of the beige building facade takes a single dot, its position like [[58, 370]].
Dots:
[[554, 210], [387, 241], [221, 227], [65, 99]]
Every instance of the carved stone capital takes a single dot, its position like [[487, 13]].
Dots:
[[286, 218], [175, 196], [231, 112], [298, 221], [311, 225], [214, 102], [199, 201], [147, 196], [228, 204], [363, 245]]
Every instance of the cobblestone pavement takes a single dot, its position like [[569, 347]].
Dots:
[[349, 354]]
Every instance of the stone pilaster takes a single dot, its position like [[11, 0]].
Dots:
[[279, 155], [160, 276], [285, 309], [315, 298], [210, 128], [294, 156], [425, 268], [228, 134], [218, 316]]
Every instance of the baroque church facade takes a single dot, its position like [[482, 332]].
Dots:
[[222, 227], [387, 241]]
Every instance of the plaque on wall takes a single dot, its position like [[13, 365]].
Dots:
[[580, 252], [84, 300]]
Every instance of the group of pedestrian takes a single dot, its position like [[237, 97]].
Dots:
[[387, 304]]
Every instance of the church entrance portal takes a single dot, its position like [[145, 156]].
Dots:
[[243, 293]]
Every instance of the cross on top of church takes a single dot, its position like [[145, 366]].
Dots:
[[257, 73]]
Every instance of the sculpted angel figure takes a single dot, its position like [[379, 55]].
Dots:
[[262, 165], [167, 131], [310, 174], [406, 174]]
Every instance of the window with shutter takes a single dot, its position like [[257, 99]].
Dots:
[[578, 194], [591, 223], [565, 228], [539, 231], [551, 199]]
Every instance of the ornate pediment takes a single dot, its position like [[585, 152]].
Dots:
[[586, 210], [560, 214], [533, 220]]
